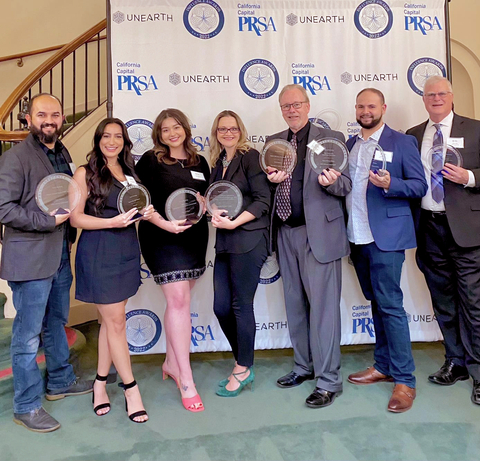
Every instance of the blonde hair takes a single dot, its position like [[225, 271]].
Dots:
[[216, 148], [294, 86], [161, 150]]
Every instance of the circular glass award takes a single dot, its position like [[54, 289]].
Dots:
[[327, 153], [133, 196], [225, 197], [442, 154], [278, 154], [57, 194], [183, 205], [376, 160]]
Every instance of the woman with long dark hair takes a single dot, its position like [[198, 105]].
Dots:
[[241, 245], [108, 257], [174, 252]]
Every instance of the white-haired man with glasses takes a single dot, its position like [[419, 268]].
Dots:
[[309, 221], [448, 233]]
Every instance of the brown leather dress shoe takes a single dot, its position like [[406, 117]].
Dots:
[[402, 398], [369, 376]]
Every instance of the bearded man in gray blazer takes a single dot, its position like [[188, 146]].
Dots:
[[308, 216], [36, 264]]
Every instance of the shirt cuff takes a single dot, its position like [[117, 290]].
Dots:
[[471, 179]]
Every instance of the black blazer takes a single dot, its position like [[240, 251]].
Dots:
[[245, 172], [462, 204]]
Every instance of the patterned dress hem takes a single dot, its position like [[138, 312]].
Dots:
[[178, 276]]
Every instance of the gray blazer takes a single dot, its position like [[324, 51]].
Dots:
[[324, 207], [32, 244]]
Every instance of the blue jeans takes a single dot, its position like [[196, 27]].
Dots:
[[379, 275], [42, 307]]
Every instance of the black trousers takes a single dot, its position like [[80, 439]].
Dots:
[[452, 274], [235, 279]]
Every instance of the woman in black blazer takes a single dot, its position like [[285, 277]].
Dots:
[[241, 245]]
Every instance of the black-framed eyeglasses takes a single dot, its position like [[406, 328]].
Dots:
[[232, 130], [295, 105]]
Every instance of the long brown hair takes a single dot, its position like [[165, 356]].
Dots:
[[161, 150], [216, 148], [98, 176]]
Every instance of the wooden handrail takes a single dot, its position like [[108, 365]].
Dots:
[[38, 73], [27, 54]]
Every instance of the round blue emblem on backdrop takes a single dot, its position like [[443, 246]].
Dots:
[[140, 133], [203, 18], [422, 69], [143, 330], [373, 18], [259, 78]]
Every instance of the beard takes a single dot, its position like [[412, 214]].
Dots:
[[46, 138], [372, 124]]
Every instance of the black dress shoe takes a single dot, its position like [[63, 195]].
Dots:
[[449, 374], [292, 379], [320, 398], [476, 392]]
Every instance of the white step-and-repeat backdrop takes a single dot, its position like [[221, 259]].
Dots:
[[203, 56]]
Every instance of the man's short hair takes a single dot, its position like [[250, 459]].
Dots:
[[294, 86], [30, 104], [373, 90], [437, 79]]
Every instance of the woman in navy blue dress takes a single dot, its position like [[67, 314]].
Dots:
[[108, 257]]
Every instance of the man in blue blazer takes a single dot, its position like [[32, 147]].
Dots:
[[380, 228]]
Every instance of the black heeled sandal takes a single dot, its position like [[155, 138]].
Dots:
[[137, 413], [102, 405]]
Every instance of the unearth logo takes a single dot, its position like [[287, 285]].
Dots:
[[118, 17], [292, 19], [346, 78], [174, 79]]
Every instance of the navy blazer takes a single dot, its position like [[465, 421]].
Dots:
[[323, 206], [389, 213], [462, 204]]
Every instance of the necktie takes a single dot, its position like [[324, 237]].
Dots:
[[436, 178], [284, 205]]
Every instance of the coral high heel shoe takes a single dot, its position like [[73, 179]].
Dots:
[[166, 374], [193, 404]]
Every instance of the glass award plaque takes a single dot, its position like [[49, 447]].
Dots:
[[183, 205], [278, 154], [133, 196], [447, 153], [378, 162], [57, 194], [327, 153], [224, 197]]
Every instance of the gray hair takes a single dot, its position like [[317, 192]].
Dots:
[[294, 86], [437, 79]]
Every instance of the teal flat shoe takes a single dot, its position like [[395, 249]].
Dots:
[[223, 392]]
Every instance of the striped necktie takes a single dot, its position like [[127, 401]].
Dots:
[[436, 178]]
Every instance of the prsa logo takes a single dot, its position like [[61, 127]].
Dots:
[[143, 330], [415, 21], [137, 83], [259, 78], [270, 271], [327, 118], [373, 18], [200, 332], [201, 143], [421, 69], [313, 83], [140, 133], [204, 19], [362, 320], [259, 25]]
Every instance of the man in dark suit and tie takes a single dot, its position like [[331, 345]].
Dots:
[[380, 228], [448, 233], [308, 214], [36, 263]]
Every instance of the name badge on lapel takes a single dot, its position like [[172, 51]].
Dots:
[[388, 156], [198, 175], [456, 142]]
